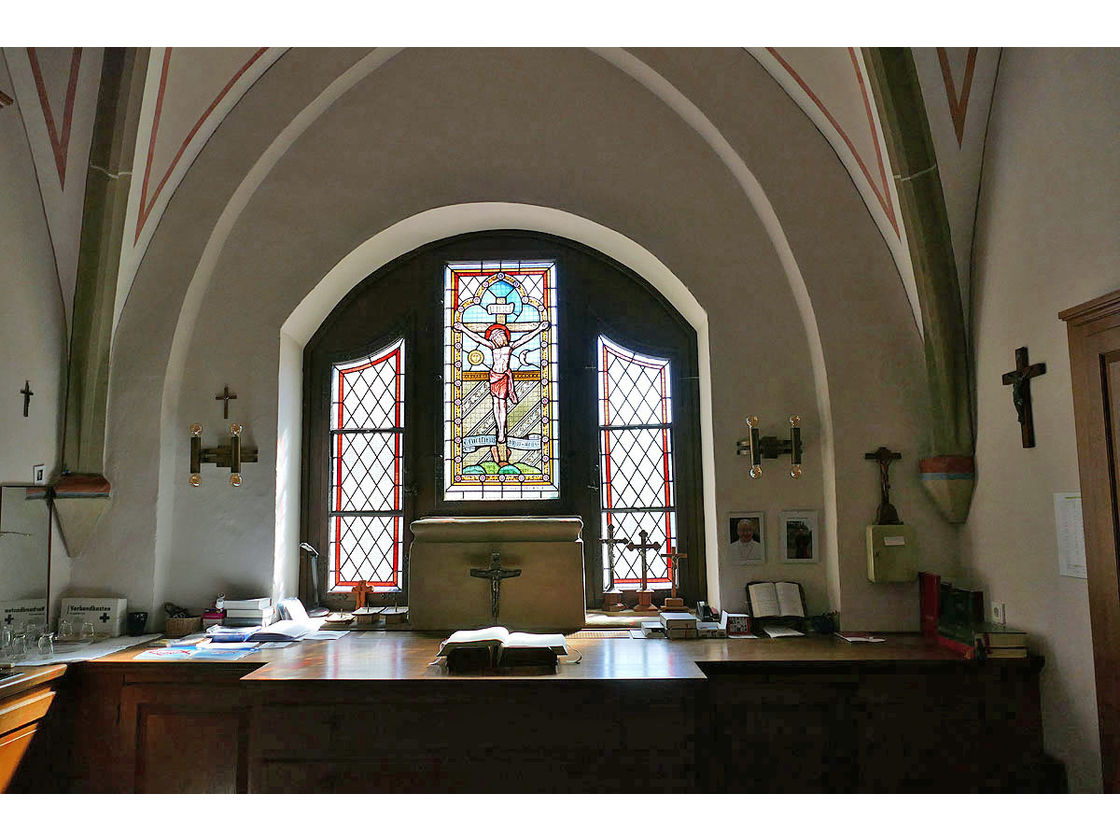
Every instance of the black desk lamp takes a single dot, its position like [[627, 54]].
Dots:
[[314, 609]]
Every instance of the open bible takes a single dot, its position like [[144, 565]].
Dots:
[[496, 649], [778, 609]]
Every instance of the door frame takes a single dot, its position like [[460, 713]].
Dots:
[[1093, 332]]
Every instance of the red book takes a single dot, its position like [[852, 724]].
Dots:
[[929, 590], [967, 651]]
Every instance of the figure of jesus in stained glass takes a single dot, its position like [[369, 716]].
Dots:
[[500, 375], [502, 390]]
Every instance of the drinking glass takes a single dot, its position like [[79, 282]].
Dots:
[[46, 644], [5, 640], [87, 630], [65, 628], [18, 649]]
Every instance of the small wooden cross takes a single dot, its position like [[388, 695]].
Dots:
[[610, 542], [1020, 382], [887, 514], [225, 396], [27, 395], [642, 547], [671, 558], [361, 591], [495, 574]]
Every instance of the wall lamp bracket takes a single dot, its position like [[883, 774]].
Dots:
[[232, 456], [757, 447]]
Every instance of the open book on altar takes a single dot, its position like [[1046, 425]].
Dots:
[[498, 648]]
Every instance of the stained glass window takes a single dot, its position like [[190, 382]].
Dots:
[[500, 423], [636, 462], [365, 504]]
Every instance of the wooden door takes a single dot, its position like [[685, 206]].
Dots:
[[1094, 354]]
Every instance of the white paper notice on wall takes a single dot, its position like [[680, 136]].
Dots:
[[1071, 535]]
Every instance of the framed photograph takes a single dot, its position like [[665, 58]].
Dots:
[[748, 540], [799, 537]]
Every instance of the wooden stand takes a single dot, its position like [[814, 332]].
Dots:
[[612, 602], [673, 604], [645, 601]]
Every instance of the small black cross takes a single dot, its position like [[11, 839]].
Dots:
[[27, 395], [887, 514], [495, 573], [8, 619], [1020, 382], [226, 396], [104, 617]]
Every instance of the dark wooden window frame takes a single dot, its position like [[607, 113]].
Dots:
[[596, 295]]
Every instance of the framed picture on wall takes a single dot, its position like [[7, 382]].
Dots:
[[799, 537], [748, 540]]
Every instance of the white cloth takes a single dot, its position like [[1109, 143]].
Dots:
[[81, 653], [746, 552]]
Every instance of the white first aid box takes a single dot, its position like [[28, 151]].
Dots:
[[107, 615], [18, 613]]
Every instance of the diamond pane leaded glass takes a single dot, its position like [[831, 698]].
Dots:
[[636, 463], [500, 423], [365, 505]]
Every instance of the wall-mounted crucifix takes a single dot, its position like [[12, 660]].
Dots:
[[225, 396], [887, 514], [27, 395], [1020, 382]]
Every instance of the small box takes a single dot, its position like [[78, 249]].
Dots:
[[736, 624], [892, 554], [710, 630], [15, 613], [107, 615]]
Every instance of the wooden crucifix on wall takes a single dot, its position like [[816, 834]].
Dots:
[[1020, 382]]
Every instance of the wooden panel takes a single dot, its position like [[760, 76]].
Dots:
[[25, 708], [13, 748], [185, 739]]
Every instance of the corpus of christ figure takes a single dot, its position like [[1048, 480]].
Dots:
[[502, 393]]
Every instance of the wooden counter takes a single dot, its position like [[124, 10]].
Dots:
[[371, 712]]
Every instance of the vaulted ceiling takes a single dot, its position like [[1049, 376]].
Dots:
[[188, 92]]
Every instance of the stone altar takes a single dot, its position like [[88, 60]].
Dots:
[[547, 595]]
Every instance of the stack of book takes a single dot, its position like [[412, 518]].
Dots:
[[251, 612], [999, 642], [960, 615], [679, 625]]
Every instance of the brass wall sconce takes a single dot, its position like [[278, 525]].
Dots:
[[232, 456], [758, 447]]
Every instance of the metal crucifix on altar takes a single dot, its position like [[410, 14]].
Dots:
[[612, 599], [495, 574], [645, 595]]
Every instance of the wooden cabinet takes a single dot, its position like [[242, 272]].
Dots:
[[166, 728], [28, 731], [470, 737], [953, 727]]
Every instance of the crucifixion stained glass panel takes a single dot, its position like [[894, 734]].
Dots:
[[500, 417]]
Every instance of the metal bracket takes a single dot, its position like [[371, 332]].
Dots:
[[757, 447], [232, 456]]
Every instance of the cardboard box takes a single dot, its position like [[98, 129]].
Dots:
[[17, 613], [710, 630], [107, 615], [736, 624]]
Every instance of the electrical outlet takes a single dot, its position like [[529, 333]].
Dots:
[[39, 474], [999, 613]]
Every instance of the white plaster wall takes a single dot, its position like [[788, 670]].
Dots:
[[563, 129], [1046, 241], [32, 323]]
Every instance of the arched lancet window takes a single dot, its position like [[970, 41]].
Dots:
[[502, 373]]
